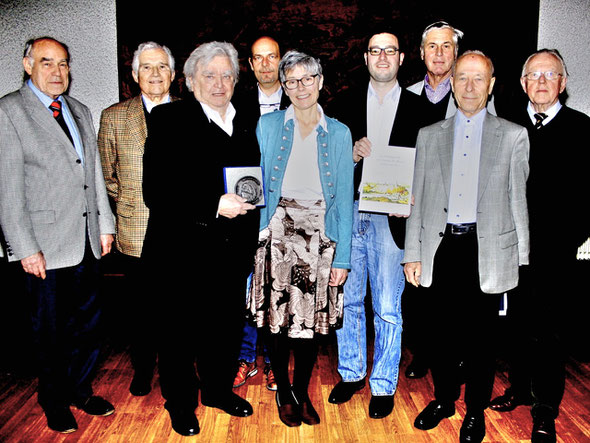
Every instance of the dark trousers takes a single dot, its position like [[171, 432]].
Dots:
[[142, 315], [201, 316], [537, 357], [65, 317], [463, 325]]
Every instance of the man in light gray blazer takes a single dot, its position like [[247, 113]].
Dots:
[[57, 222], [466, 237]]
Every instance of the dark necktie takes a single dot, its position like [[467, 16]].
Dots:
[[539, 117], [55, 106]]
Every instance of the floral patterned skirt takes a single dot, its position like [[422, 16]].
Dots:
[[289, 289]]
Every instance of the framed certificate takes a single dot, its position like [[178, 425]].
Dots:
[[246, 181], [386, 183]]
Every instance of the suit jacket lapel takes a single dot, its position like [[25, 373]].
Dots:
[[490, 145], [445, 151], [44, 118], [136, 124]]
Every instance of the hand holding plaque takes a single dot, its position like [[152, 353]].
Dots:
[[245, 181]]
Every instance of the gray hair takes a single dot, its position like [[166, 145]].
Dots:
[[203, 54], [150, 45], [457, 34], [295, 58], [476, 52], [554, 52]]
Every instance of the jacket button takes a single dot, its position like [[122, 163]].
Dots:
[[441, 234]]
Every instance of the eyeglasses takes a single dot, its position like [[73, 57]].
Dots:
[[293, 83], [376, 52], [549, 75]]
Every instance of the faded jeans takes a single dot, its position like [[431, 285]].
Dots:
[[376, 256]]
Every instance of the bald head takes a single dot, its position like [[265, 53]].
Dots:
[[264, 62]]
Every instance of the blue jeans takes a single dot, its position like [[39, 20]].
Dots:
[[376, 256], [248, 348]]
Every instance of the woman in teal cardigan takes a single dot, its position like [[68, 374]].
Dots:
[[305, 232]]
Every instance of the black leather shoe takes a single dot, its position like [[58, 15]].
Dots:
[[543, 430], [184, 421], [289, 411], [508, 402], [380, 406], [141, 384], [61, 420], [432, 414], [343, 391], [232, 404], [416, 369], [473, 428], [95, 405]]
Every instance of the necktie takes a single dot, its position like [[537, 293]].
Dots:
[[55, 106], [539, 117]]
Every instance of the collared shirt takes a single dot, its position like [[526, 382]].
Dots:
[[441, 91], [149, 104], [67, 115], [269, 103], [465, 168], [302, 175], [551, 112], [213, 115], [380, 116]]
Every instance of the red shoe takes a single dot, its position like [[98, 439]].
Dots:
[[271, 384], [245, 371]]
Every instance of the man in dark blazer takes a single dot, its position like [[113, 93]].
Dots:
[[201, 238], [57, 222], [539, 308], [267, 97], [121, 140], [466, 237], [379, 113], [268, 94]]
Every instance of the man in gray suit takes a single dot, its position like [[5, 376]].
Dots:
[[57, 222], [466, 237]]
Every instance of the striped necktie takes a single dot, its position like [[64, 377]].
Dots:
[[55, 106], [539, 117]]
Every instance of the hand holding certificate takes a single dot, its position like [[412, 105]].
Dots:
[[386, 183]]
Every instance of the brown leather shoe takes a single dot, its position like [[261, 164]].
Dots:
[[245, 371], [289, 411]]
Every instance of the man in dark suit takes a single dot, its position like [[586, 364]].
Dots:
[[539, 307], [121, 139], [379, 114], [200, 239], [466, 237], [269, 96], [57, 222]]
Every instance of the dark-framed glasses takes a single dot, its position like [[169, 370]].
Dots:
[[293, 83], [549, 75], [376, 51]]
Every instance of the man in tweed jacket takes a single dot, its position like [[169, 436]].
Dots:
[[121, 138]]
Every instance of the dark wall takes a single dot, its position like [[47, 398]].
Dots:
[[336, 31]]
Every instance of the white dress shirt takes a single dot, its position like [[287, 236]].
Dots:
[[465, 168]]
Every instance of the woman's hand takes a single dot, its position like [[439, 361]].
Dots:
[[337, 276]]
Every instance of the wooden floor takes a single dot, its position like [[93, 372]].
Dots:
[[143, 419]]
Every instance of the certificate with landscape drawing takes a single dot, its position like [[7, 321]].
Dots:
[[386, 183], [246, 181]]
